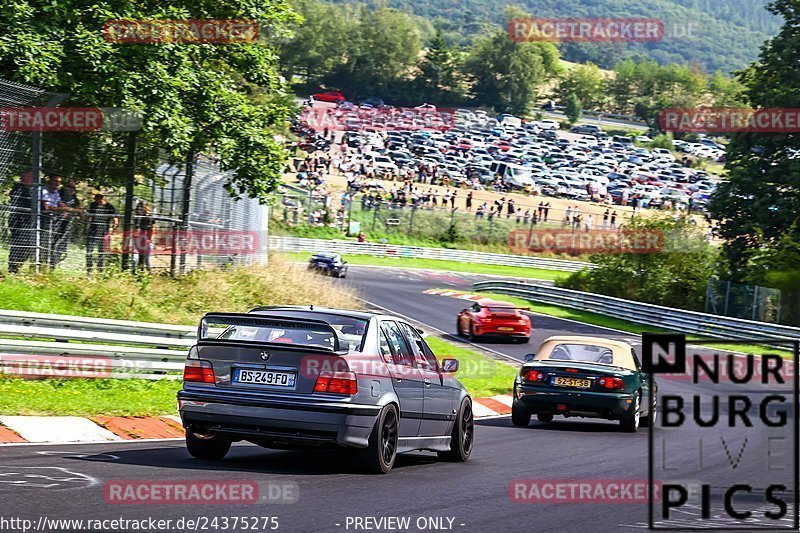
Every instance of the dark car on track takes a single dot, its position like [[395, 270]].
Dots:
[[329, 264], [490, 318], [583, 377], [293, 377]]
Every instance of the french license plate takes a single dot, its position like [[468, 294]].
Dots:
[[572, 382], [505, 328], [265, 377]]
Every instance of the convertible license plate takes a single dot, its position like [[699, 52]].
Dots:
[[265, 377], [572, 382], [505, 328]]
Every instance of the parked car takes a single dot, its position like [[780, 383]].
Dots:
[[330, 96], [591, 377], [491, 318], [547, 124], [300, 377], [587, 129]]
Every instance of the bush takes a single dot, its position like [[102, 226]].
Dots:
[[677, 276]]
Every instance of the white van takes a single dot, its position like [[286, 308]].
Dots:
[[513, 174]]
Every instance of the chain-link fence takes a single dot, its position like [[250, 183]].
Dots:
[[750, 302], [62, 204], [441, 220]]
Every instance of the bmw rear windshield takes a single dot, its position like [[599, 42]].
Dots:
[[296, 329]]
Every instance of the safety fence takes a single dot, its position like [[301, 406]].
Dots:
[[678, 320], [299, 244]]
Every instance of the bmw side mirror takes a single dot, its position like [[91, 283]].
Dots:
[[450, 366], [529, 357]]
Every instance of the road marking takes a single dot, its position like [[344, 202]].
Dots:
[[79, 455], [43, 477]]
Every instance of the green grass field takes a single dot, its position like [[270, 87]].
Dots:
[[435, 264], [87, 397]]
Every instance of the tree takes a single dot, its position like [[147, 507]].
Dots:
[[506, 73], [438, 71], [759, 204], [228, 100], [585, 81], [380, 53], [320, 43], [573, 108]]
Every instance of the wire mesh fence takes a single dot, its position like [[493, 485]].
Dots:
[[76, 201], [750, 302]]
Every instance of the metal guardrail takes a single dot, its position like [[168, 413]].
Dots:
[[299, 244], [679, 320], [49, 345]]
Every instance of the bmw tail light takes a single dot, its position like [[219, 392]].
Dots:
[[344, 383], [198, 372], [611, 383], [533, 376]]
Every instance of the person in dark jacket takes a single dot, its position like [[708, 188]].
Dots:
[[20, 223], [102, 219]]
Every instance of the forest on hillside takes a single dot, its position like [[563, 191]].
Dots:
[[714, 34]]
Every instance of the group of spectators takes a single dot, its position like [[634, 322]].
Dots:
[[60, 211]]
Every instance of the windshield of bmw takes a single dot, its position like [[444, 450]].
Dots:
[[583, 353], [337, 333]]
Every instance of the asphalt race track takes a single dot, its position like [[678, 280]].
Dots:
[[68, 481]]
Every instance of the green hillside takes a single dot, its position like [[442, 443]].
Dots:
[[714, 34]]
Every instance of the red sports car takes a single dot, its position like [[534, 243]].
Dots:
[[490, 318], [329, 96]]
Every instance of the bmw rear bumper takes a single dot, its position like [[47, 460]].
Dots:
[[278, 422]]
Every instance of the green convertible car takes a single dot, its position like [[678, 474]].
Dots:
[[585, 377]]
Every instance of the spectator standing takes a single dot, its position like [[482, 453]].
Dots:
[[510, 208], [20, 224], [588, 223], [51, 209], [102, 219], [144, 226], [469, 201], [605, 219], [71, 209], [613, 220]]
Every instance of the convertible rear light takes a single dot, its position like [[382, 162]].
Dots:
[[337, 383], [570, 370], [611, 383], [533, 376], [198, 372]]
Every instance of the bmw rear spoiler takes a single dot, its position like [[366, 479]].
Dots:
[[262, 320]]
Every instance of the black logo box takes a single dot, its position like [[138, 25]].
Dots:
[[674, 344]]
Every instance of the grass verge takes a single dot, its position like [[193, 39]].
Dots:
[[88, 397], [481, 375], [180, 300], [436, 264]]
